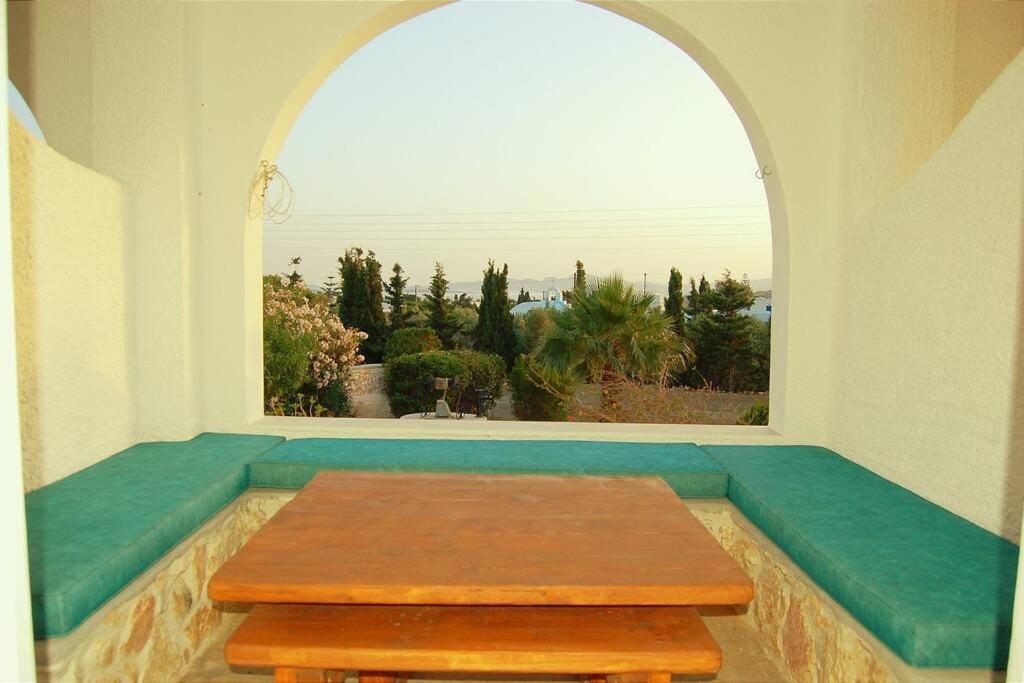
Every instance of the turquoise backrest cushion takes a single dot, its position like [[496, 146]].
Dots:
[[93, 532], [934, 587], [687, 469]]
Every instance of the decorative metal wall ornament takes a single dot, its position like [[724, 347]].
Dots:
[[763, 172], [270, 195]]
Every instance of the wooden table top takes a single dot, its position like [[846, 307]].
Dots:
[[465, 539]]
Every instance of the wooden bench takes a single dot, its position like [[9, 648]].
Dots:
[[300, 642]]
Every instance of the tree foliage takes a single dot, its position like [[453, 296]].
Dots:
[[307, 351], [723, 336], [398, 306], [756, 414], [294, 278], [611, 329], [697, 301], [464, 319], [539, 393], [411, 340], [331, 288], [408, 380], [361, 303], [494, 332], [531, 328], [579, 278], [674, 301], [579, 281], [439, 308], [523, 297]]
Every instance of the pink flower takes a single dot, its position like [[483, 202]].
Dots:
[[305, 312]]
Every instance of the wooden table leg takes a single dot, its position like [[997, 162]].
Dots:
[[377, 677], [646, 677]]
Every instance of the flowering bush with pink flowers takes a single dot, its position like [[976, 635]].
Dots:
[[307, 351]]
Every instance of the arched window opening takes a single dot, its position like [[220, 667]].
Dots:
[[497, 213]]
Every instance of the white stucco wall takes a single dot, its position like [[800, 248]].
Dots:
[[178, 102], [928, 358], [16, 652], [76, 384], [738, 45]]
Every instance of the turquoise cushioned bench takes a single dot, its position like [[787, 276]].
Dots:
[[93, 532], [935, 588], [689, 471]]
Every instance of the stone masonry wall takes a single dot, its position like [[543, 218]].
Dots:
[[154, 629], [366, 379], [153, 634], [809, 637]]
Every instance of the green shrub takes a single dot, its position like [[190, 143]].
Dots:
[[285, 357], [531, 328], [335, 399], [411, 340], [531, 400], [756, 414], [405, 379], [485, 371]]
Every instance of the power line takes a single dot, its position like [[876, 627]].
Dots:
[[439, 238], [343, 229], [558, 221], [538, 212], [360, 235]]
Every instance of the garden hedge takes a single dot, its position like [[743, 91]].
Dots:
[[406, 379]]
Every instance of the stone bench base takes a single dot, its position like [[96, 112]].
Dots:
[[811, 636], [154, 628]]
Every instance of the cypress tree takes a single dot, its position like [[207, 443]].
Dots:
[[377, 322], [395, 290], [523, 297], [360, 304], [349, 272], [439, 309], [493, 333], [698, 300], [674, 302], [579, 278]]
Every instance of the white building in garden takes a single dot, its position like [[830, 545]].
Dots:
[[552, 298]]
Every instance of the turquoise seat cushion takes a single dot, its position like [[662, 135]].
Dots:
[[689, 471], [935, 588], [93, 532]]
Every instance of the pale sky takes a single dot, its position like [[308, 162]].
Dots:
[[533, 133]]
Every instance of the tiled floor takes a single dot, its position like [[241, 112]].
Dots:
[[744, 658]]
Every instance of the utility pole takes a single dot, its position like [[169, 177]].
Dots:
[[645, 283]]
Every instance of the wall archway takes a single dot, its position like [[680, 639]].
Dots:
[[632, 10]]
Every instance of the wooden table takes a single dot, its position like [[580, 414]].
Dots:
[[455, 539]]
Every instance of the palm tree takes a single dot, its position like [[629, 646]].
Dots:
[[612, 331]]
